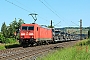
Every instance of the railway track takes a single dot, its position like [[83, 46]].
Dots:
[[24, 53]]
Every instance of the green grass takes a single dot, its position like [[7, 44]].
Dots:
[[83, 42], [2, 46], [81, 51]]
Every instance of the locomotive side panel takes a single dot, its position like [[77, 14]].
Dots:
[[45, 34], [50, 34], [36, 31]]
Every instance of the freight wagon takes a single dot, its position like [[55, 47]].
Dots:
[[59, 35]]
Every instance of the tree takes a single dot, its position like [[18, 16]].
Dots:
[[2, 38], [4, 29], [16, 24], [14, 27], [7, 32], [11, 30], [19, 23]]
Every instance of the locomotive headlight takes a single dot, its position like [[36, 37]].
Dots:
[[22, 33]]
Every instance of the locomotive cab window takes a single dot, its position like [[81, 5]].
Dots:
[[27, 27], [24, 27], [31, 28]]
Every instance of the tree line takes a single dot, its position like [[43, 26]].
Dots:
[[7, 34]]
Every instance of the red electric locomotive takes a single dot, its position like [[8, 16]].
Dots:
[[31, 34]]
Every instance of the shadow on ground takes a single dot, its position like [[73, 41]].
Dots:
[[12, 46]]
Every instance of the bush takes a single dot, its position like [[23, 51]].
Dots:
[[83, 42], [10, 40], [18, 36], [2, 38], [6, 40], [88, 42]]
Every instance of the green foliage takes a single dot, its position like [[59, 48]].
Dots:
[[10, 40], [72, 53], [11, 31], [50, 26], [2, 47], [18, 36], [20, 22], [2, 38], [8, 31], [4, 29], [15, 25], [83, 42]]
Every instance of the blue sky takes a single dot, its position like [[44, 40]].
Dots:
[[56, 10]]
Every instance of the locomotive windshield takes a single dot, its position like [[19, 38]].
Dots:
[[27, 27], [30, 27], [24, 27]]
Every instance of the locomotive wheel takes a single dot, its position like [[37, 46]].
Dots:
[[24, 45], [54, 42], [47, 42], [21, 42], [38, 43], [32, 45]]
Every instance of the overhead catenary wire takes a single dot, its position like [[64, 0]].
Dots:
[[57, 23], [50, 5], [30, 9], [49, 8], [17, 6], [54, 11], [23, 5], [23, 8], [75, 23]]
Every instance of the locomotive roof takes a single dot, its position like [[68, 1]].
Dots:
[[28, 24], [35, 24]]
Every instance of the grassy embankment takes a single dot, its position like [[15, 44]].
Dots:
[[81, 51], [9, 45]]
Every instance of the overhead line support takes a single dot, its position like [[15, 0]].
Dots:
[[80, 29]]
